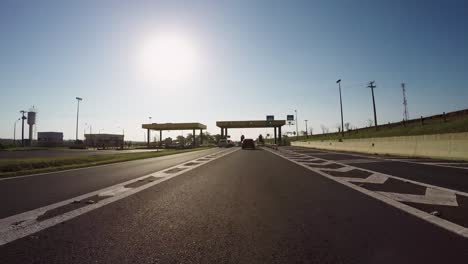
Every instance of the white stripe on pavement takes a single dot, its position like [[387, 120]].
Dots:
[[440, 193], [25, 224]]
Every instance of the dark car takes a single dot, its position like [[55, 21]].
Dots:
[[248, 143]]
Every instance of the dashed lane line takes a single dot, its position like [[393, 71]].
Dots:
[[27, 223], [91, 167]]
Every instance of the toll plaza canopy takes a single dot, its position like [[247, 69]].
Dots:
[[173, 126], [276, 124]]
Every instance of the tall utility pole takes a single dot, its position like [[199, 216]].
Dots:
[[78, 99], [307, 133], [297, 129], [22, 127], [372, 87], [405, 103], [14, 131], [341, 106]]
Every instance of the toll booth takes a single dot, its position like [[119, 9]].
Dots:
[[173, 126], [275, 124]]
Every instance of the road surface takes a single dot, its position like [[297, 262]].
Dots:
[[294, 205], [58, 152]]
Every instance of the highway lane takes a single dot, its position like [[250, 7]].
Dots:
[[57, 152], [423, 170], [246, 207], [18, 194]]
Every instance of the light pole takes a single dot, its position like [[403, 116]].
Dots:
[[22, 127], [341, 106], [297, 129], [14, 131], [307, 133], [78, 99]]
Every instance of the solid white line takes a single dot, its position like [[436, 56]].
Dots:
[[25, 224], [452, 227], [97, 166], [394, 177], [390, 159]]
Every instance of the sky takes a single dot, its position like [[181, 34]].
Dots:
[[203, 61]]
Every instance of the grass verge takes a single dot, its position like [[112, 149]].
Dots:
[[428, 128], [17, 167]]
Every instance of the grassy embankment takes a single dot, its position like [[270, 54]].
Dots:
[[16, 167], [428, 127]]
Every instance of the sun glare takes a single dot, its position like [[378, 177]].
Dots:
[[169, 57]]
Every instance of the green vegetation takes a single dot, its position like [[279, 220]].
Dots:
[[29, 148], [15, 167], [428, 127]]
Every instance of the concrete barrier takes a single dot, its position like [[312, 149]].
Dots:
[[452, 146]]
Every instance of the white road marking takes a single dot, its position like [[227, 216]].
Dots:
[[436, 192], [342, 169], [391, 159], [350, 161], [432, 196], [92, 167], [115, 191], [375, 178], [25, 224]]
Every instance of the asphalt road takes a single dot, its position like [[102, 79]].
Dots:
[[57, 152], [244, 207]]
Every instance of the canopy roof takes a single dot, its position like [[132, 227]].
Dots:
[[173, 126], [250, 124]]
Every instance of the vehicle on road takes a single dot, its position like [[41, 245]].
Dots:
[[223, 143], [248, 143]]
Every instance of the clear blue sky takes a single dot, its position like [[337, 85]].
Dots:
[[255, 58]]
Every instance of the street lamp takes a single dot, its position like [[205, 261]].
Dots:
[[78, 99], [297, 129], [14, 131], [307, 133], [341, 106], [22, 126]]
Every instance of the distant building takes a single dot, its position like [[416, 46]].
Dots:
[[50, 138], [104, 140]]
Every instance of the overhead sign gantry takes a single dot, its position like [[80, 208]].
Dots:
[[276, 124], [174, 126]]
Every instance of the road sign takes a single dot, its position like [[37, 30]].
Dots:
[[270, 118], [290, 117]]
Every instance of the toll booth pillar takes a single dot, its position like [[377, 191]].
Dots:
[[222, 132], [274, 134], [148, 138], [279, 136], [201, 136], [194, 143], [160, 138]]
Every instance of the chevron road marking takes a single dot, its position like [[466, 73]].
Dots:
[[376, 178], [434, 195]]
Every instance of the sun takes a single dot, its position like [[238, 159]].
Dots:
[[169, 57]]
